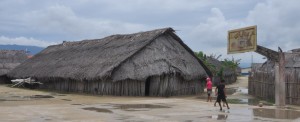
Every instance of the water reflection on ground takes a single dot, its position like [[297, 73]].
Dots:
[[276, 113], [220, 117]]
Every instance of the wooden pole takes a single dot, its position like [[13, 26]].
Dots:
[[277, 84], [281, 81]]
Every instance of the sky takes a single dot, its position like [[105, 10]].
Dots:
[[202, 24]]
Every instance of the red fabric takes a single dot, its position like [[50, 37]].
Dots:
[[209, 84]]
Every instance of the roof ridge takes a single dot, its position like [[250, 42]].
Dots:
[[115, 35]]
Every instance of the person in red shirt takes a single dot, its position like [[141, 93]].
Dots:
[[209, 89]]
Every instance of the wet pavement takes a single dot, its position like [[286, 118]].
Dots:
[[31, 105]]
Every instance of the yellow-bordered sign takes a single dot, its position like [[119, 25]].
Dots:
[[242, 40]]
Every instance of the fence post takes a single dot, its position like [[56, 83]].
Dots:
[[280, 80]]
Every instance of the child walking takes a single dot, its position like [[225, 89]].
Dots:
[[220, 90], [209, 89]]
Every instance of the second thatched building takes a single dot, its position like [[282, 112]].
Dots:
[[9, 59], [152, 63]]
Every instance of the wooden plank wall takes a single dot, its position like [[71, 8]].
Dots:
[[261, 84], [174, 85], [164, 85], [126, 88]]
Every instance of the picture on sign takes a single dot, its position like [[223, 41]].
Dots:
[[242, 40]]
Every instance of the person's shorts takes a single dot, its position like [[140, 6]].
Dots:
[[209, 91], [221, 97]]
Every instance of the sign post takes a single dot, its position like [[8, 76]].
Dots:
[[245, 40]]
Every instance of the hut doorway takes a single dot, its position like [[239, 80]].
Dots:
[[147, 86]]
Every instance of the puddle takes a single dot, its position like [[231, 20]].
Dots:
[[219, 117], [205, 117], [41, 96], [242, 90], [12, 100], [291, 108], [124, 117], [276, 113], [216, 117], [138, 107], [24, 98], [230, 91], [57, 94], [254, 102], [76, 104], [66, 99], [98, 109]]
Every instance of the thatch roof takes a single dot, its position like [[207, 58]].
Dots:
[[9, 59], [99, 58], [296, 50], [218, 64], [292, 60]]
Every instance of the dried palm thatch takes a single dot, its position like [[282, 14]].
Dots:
[[131, 56], [9, 59], [229, 75]]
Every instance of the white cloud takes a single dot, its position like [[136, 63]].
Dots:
[[212, 29], [211, 36], [278, 23], [61, 20], [152, 5], [24, 41]]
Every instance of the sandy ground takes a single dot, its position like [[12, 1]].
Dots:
[[18, 104]]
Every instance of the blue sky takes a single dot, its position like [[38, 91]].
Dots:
[[201, 24]]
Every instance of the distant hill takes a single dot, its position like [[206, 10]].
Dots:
[[31, 49]]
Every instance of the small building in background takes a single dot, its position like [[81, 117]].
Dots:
[[221, 72], [245, 71], [9, 59]]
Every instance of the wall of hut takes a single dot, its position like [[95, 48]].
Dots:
[[262, 82], [164, 85]]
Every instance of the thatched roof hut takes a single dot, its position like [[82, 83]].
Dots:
[[263, 78], [229, 75], [9, 59], [139, 57]]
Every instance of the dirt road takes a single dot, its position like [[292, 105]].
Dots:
[[31, 105]]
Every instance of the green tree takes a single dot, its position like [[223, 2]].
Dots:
[[226, 63], [232, 64], [203, 58]]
